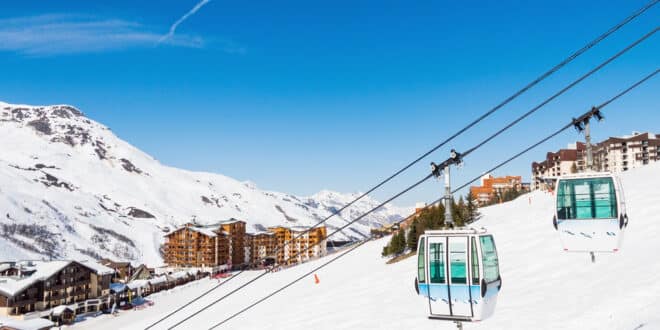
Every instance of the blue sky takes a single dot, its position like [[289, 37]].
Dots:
[[300, 96]]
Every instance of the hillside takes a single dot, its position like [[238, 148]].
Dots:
[[543, 287], [70, 188]]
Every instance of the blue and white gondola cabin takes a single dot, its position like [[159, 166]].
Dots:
[[590, 212], [458, 272]]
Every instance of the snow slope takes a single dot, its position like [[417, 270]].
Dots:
[[543, 287], [70, 188]]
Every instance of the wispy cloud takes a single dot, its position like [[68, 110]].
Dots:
[[54, 34], [170, 33]]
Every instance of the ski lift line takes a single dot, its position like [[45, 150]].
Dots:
[[565, 89], [604, 104], [268, 270], [587, 114], [450, 160], [510, 159], [579, 119], [542, 77], [430, 175]]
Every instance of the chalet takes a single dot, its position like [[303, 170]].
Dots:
[[32, 286], [142, 272], [123, 269], [158, 284], [100, 280], [139, 288]]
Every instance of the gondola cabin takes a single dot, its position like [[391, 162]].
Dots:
[[590, 212], [458, 272]]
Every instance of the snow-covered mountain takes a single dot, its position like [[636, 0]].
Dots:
[[70, 188]]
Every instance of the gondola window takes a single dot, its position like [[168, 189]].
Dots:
[[437, 263], [421, 276], [458, 257], [475, 263], [489, 258], [592, 198]]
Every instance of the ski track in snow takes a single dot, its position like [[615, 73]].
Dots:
[[543, 287]]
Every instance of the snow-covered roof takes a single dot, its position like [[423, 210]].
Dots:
[[158, 280], [12, 285], [137, 284], [204, 231], [207, 230], [58, 310], [259, 232], [230, 221], [32, 324], [300, 228], [182, 274], [97, 267]]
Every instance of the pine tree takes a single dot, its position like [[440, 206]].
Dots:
[[412, 236], [471, 208], [400, 239]]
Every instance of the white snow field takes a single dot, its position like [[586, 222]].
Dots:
[[543, 287]]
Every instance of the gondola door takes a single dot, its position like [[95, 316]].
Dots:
[[459, 288], [438, 292]]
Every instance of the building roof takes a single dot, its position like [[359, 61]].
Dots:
[[158, 280], [11, 285], [180, 275], [137, 284], [32, 324], [115, 264], [208, 230], [58, 310], [261, 232], [97, 267], [117, 287], [230, 221], [204, 231]]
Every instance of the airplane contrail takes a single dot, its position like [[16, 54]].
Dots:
[[197, 7]]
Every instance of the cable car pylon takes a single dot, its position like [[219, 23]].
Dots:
[[455, 159], [590, 159]]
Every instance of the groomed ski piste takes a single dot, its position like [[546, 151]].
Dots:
[[543, 287]]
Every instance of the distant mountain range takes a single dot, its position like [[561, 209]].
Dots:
[[71, 189]]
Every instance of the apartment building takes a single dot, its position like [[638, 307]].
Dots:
[[491, 187], [556, 164], [616, 154], [193, 246], [37, 286], [303, 244], [226, 244], [235, 230], [619, 154], [260, 248], [282, 236]]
